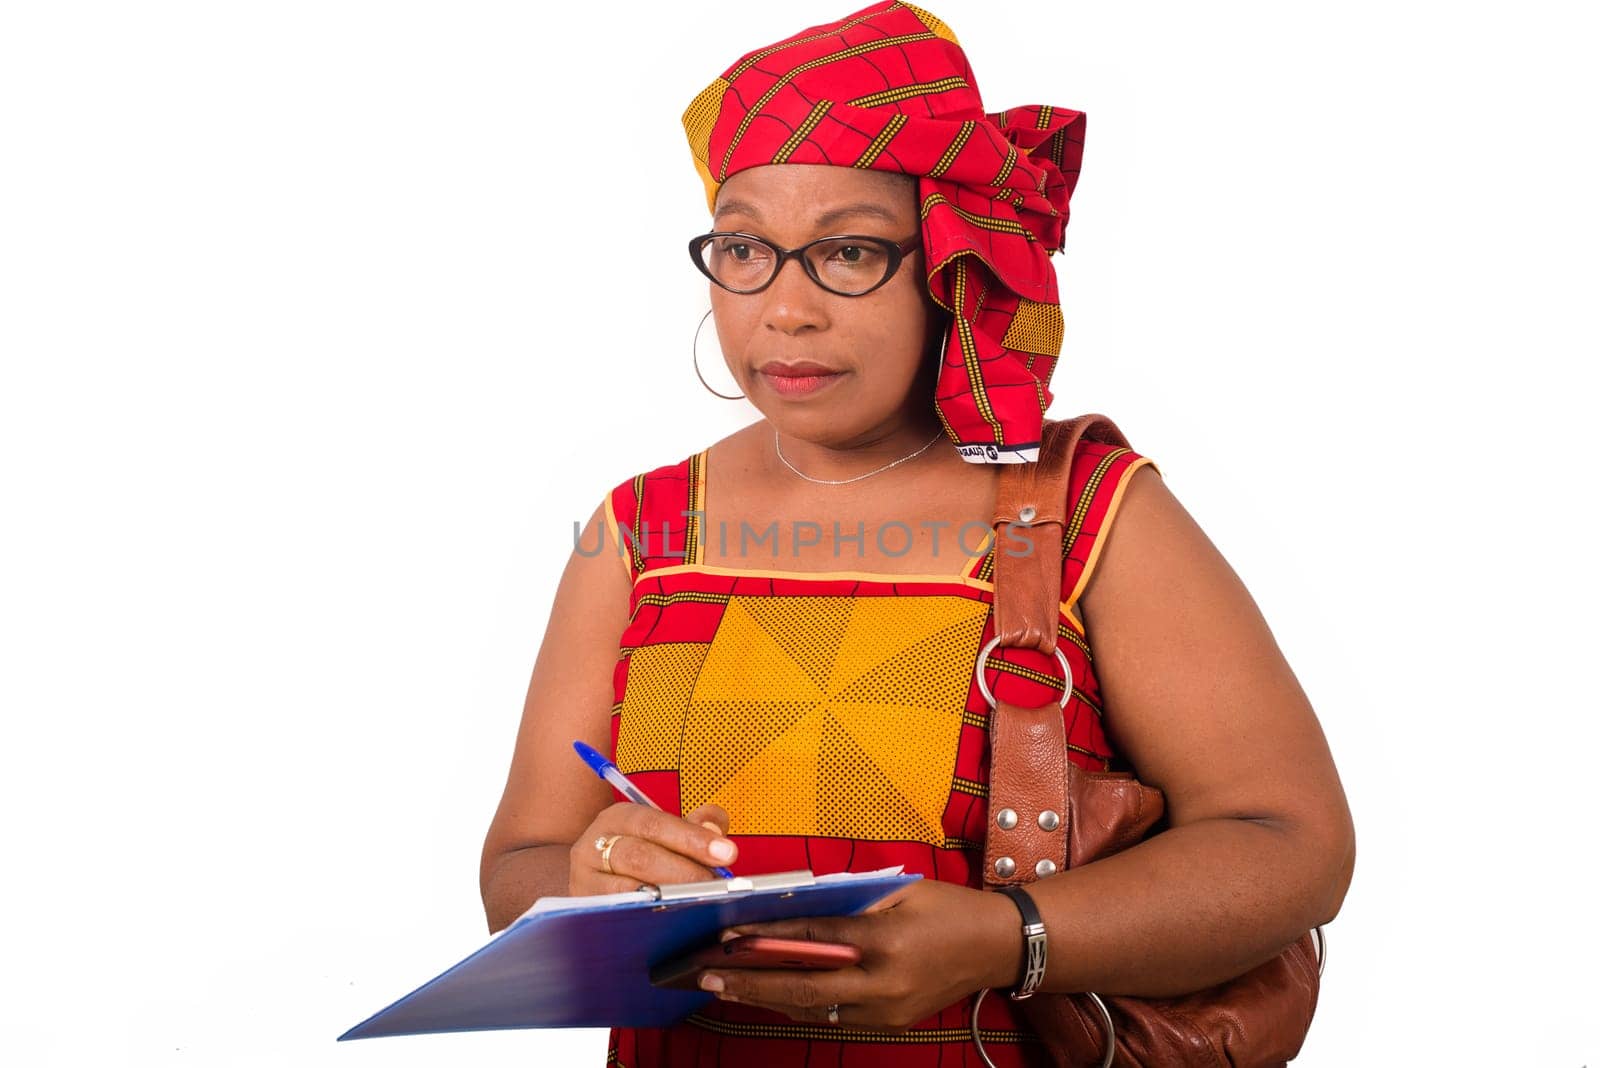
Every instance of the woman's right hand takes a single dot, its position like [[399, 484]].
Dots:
[[650, 847]]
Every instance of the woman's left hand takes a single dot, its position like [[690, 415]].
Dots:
[[922, 948]]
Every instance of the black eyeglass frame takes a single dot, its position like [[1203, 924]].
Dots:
[[895, 250]]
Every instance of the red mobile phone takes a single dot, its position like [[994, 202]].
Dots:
[[752, 951]]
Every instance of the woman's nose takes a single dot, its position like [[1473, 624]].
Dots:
[[793, 300]]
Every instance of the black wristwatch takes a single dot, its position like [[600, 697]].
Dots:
[[1033, 943]]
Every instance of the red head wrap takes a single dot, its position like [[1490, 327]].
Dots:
[[889, 88]]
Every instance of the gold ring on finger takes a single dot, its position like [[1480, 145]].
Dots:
[[606, 844]]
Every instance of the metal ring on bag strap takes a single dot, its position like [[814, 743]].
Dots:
[[983, 687], [1105, 1017]]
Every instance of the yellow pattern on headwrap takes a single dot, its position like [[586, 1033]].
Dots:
[[933, 24], [1036, 328], [698, 120], [802, 132], [881, 142], [906, 92]]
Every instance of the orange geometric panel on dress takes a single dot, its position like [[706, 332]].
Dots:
[[836, 716], [660, 679]]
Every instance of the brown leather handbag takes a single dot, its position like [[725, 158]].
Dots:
[[1047, 814]]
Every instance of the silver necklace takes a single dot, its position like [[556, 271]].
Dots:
[[858, 478]]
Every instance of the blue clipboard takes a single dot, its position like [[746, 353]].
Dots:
[[585, 962]]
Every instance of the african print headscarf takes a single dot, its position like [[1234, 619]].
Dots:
[[889, 88]]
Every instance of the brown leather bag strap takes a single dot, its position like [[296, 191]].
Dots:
[[1027, 581], [1046, 815], [1029, 817]]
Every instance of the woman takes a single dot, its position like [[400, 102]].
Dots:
[[798, 607]]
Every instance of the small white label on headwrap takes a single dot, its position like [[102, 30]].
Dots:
[[999, 454]]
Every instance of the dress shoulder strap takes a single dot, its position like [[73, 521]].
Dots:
[[1102, 463], [654, 517], [1100, 474]]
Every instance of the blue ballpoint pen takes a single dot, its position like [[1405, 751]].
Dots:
[[608, 771]]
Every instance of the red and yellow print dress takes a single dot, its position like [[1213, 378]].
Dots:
[[836, 717]]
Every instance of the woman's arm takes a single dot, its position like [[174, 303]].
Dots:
[[1200, 700], [550, 795], [541, 839]]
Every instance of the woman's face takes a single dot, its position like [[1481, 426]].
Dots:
[[828, 368]]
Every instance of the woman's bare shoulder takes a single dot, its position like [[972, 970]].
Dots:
[[1197, 693], [736, 448]]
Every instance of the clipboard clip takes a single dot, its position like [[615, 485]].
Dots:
[[739, 884]]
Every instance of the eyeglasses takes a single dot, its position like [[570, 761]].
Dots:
[[851, 265]]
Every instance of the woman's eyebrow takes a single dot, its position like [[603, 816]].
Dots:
[[823, 221], [829, 218]]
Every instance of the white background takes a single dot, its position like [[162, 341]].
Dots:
[[322, 322]]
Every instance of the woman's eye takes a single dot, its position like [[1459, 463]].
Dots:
[[847, 255], [740, 251]]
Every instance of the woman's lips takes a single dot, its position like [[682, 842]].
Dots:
[[799, 379]]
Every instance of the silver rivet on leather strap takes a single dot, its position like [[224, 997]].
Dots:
[[1005, 867], [1044, 867], [1049, 821], [1006, 819], [1026, 513]]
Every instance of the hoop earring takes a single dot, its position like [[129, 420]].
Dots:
[[697, 373]]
